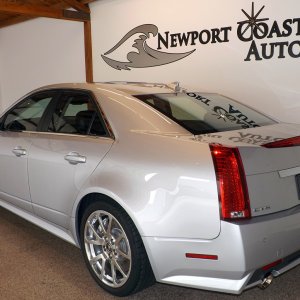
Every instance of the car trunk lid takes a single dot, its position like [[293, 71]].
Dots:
[[272, 174], [272, 177]]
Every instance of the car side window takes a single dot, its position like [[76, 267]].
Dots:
[[77, 114], [26, 115]]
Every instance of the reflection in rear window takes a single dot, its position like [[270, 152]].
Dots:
[[205, 113]]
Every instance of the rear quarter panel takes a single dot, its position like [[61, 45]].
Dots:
[[166, 184]]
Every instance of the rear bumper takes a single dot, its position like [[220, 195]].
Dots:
[[243, 248]]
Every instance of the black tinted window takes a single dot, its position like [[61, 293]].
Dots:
[[205, 113], [27, 115], [76, 114]]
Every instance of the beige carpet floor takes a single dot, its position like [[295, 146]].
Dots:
[[36, 265]]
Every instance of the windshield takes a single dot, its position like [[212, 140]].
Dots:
[[202, 113]]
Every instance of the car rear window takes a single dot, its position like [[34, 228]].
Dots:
[[202, 113]]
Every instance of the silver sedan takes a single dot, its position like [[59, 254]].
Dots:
[[156, 183]]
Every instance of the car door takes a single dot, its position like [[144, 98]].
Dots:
[[15, 142], [62, 157]]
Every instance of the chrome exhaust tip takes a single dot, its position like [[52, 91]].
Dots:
[[266, 281]]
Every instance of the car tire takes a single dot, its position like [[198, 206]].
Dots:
[[113, 249]]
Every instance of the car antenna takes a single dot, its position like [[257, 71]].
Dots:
[[175, 86]]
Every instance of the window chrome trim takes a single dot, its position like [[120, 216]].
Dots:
[[68, 134], [108, 127]]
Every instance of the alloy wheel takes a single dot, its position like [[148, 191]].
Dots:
[[107, 248]]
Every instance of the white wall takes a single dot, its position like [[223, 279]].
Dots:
[[39, 52], [1, 72], [270, 85], [45, 51]]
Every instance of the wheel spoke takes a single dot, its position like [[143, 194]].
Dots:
[[120, 269], [120, 246], [102, 269], [108, 231], [96, 258], [98, 239], [125, 255], [101, 225], [113, 271], [119, 238]]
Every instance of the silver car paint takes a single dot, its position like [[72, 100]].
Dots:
[[156, 196], [242, 248], [165, 205], [47, 167], [14, 182]]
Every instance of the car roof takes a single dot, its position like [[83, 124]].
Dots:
[[130, 88]]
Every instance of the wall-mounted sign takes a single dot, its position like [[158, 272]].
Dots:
[[254, 28], [146, 56]]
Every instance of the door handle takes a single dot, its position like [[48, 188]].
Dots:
[[19, 151], [75, 158]]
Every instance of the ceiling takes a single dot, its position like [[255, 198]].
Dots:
[[16, 11]]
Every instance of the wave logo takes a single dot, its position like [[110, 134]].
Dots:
[[146, 56]]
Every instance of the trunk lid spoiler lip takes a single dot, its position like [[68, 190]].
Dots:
[[252, 137], [289, 142]]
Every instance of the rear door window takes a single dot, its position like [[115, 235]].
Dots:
[[76, 113]]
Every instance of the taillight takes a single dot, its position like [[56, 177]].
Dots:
[[231, 180], [291, 142]]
